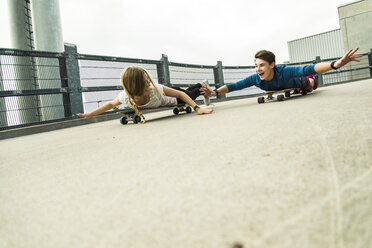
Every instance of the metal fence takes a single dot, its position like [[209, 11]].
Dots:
[[40, 87]]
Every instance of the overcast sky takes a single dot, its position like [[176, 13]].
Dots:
[[189, 31]]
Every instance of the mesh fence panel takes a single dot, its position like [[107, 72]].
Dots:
[[30, 73], [357, 73], [95, 73], [187, 75], [19, 112], [181, 76], [235, 75]]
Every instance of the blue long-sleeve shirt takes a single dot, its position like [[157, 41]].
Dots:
[[285, 77]]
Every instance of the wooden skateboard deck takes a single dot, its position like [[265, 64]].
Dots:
[[278, 95], [132, 115]]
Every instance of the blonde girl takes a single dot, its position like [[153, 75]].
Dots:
[[140, 92]]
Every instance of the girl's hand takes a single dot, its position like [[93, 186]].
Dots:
[[348, 57], [85, 115], [202, 111], [207, 91]]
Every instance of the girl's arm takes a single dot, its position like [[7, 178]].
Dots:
[[105, 107], [184, 97], [348, 57]]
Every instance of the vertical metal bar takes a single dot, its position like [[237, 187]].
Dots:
[[3, 116], [319, 77], [159, 70], [370, 62], [64, 84], [73, 79], [218, 77], [165, 70]]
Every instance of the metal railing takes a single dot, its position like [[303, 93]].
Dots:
[[41, 87]]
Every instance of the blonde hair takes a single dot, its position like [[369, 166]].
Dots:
[[135, 84]]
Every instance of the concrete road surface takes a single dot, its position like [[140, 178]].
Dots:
[[296, 173]]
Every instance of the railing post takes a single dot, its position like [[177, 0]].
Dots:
[[3, 116], [218, 77], [159, 70], [64, 84], [319, 78], [370, 62], [73, 79], [164, 71]]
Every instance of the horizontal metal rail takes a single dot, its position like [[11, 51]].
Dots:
[[9, 93], [101, 88], [191, 65], [30, 53], [117, 59]]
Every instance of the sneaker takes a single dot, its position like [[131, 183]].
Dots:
[[315, 86], [206, 99], [205, 84], [306, 85], [296, 91]]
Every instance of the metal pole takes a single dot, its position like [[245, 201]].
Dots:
[[159, 70], [20, 22], [370, 62], [218, 77], [320, 76], [48, 37], [73, 79], [23, 72], [3, 117], [165, 70], [47, 25]]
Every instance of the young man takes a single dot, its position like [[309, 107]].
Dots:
[[269, 76]]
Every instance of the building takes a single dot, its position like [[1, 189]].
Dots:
[[355, 31]]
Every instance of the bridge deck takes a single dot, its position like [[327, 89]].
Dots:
[[282, 174]]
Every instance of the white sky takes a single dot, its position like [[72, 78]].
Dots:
[[189, 31]]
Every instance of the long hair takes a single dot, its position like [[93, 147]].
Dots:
[[134, 83]]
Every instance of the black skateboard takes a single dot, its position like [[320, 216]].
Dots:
[[271, 95], [132, 115]]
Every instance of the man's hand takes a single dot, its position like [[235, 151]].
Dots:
[[348, 57], [207, 91], [85, 115]]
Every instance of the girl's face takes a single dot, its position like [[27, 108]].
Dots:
[[148, 84], [147, 79], [264, 70]]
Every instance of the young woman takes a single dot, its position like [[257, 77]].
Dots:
[[140, 92], [269, 76]]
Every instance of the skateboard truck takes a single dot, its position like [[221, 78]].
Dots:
[[131, 115], [280, 97]]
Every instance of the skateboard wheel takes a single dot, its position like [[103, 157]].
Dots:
[[136, 119], [287, 94], [280, 97], [176, 111], [261, 99], [303, 92], [124, 120], [188, 109]]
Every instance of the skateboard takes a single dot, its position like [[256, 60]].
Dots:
[[279, 96], [132, 115]]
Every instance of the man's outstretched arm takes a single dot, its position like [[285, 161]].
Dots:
[[348, 57]]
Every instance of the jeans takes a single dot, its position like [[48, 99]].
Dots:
[[193, 92]]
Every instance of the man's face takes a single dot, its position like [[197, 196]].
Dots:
[[264, 69]]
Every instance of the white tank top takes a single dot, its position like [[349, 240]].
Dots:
[[156, 99]]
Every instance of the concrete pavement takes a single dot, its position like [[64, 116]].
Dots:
[[281, 174]]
